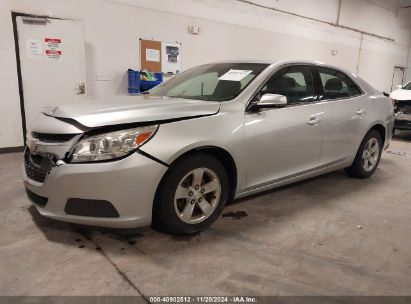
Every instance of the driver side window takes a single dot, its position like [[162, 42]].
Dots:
[[294, 82]]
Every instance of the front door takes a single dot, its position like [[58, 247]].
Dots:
[[285, 142], [52, 58]]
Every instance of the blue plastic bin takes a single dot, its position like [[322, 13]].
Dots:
[[147, 85], [133, 81]]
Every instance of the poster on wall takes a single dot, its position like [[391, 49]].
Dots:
[[171, 53], [53, 48], [34, 48]]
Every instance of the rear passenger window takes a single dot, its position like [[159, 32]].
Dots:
[[337, 85]]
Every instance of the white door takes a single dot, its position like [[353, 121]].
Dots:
[[398, 77], [52, 58]]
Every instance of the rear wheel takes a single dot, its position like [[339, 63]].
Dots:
[[192, 195], [368, 156]]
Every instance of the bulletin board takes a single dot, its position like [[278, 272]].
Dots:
[[158, 56], [150, 55]]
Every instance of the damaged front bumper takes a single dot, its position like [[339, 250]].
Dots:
[[116, 193], [402, 115]]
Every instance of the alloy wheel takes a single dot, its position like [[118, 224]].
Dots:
[[197, 195], [370, 154]]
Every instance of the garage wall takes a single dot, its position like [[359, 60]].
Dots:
[[408, 71], [10, 118], [230, 29]]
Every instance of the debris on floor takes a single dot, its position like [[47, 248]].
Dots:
[[235, 215], [359, 227], [400, 153]]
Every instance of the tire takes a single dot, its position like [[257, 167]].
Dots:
[[178, 195], [368, 156]]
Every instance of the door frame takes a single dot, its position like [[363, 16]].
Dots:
[[14, 16], [393, 75]]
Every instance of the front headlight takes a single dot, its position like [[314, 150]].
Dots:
[[111, 145]]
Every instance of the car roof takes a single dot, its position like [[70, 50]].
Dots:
[[283, 62]]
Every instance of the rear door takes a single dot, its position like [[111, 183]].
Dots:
[[344, 114], [52, 57]]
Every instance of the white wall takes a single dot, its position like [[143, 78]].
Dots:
[[10, 118], [408, 70], [229, 30]]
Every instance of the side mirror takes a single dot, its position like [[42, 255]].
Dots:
[[271, 101], [398, 87]]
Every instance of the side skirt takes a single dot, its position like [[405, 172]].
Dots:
[[340, 164]]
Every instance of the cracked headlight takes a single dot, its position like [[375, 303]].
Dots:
[[111, 145]]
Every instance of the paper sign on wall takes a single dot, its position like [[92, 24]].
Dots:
[[152, 55], [235, 75], [34, 48], [53, 48]]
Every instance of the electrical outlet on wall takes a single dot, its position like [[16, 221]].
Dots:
[[194, 30]]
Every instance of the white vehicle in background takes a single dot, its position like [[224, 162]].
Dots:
[[402, 107]]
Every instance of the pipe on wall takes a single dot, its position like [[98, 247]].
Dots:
[[321, 21]]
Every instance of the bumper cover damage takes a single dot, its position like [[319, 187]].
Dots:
[[402, 115], [126, 186]]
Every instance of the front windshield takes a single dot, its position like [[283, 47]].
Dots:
[[408, 87], [214, 82]]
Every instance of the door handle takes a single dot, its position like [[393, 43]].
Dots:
[[360, 112], [314, 120]]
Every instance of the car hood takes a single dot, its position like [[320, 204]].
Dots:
[[401, 94], [132, 109]]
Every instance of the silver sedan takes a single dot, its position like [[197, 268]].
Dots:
[[174, 156]]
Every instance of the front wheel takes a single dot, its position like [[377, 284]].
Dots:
[[192, 195], [368, 156]]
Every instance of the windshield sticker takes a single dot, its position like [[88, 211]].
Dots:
[[235, 75]]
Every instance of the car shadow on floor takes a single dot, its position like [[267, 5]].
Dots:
[[273, 205]]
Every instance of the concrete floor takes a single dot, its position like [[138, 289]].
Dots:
[[331, 235]]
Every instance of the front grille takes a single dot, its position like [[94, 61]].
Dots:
[[36, 166], [403, 106], [33, 172], [52, 138], [402, 123]]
